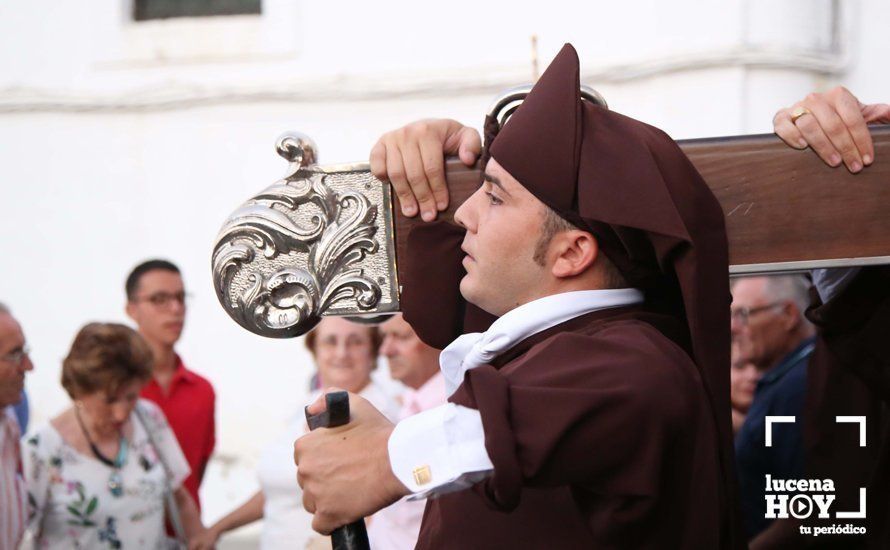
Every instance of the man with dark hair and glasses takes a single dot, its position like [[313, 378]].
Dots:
[[156, 301], [14, 363], [769, 330]]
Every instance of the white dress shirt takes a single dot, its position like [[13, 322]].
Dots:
[[443, 449]]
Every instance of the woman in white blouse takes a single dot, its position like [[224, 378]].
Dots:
[[345, 354], [95, 474]]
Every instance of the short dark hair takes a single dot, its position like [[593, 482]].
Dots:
[[105, 357], [552, 225], [135, 276]]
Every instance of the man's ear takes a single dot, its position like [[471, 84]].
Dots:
[[575, 251], [130, 309], [792, 316]]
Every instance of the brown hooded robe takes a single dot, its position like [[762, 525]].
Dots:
[[613, 429], [849, 374]]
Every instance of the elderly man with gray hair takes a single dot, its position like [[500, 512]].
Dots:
[[770, 330], [14, 363]]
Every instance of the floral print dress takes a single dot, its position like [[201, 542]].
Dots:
[[71, 505]]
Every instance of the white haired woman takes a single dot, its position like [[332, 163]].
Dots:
[[345, 354]]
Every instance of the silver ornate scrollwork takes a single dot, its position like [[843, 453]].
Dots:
[[307, 246]]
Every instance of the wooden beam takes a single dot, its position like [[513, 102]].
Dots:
[[785, 209]]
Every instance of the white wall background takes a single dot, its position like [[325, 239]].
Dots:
[[121, 141]]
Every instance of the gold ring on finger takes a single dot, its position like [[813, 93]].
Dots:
[[798, 112]]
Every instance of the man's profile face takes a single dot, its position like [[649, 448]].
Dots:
[[763, 335], [503, 222], [158, 307], [411, 361], [13, 361]]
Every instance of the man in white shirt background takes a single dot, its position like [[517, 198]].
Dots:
[[14, 363], [416, 365]]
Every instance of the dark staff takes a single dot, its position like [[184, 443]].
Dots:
[[353, 536]]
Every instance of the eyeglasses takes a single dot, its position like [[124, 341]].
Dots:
[[16, 357], [742, 314], [162, 299]]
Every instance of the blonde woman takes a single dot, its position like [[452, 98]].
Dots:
[[345, 354]]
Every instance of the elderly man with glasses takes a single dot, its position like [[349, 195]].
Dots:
[[156, 302], [770, 331], [14, 363]]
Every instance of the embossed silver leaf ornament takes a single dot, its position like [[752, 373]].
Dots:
[[290, 300]]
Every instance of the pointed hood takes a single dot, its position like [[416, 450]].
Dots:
[[654, 217], [525, 141]]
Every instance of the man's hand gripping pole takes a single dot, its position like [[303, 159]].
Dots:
[[352, 536]]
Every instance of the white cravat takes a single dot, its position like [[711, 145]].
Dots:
[[446, 444], [481, 348]]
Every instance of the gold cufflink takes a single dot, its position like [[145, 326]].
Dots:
[[422, 475]]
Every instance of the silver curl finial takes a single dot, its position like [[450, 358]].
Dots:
[[298, 149]]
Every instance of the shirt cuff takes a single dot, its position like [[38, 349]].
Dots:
[[439, 451]]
